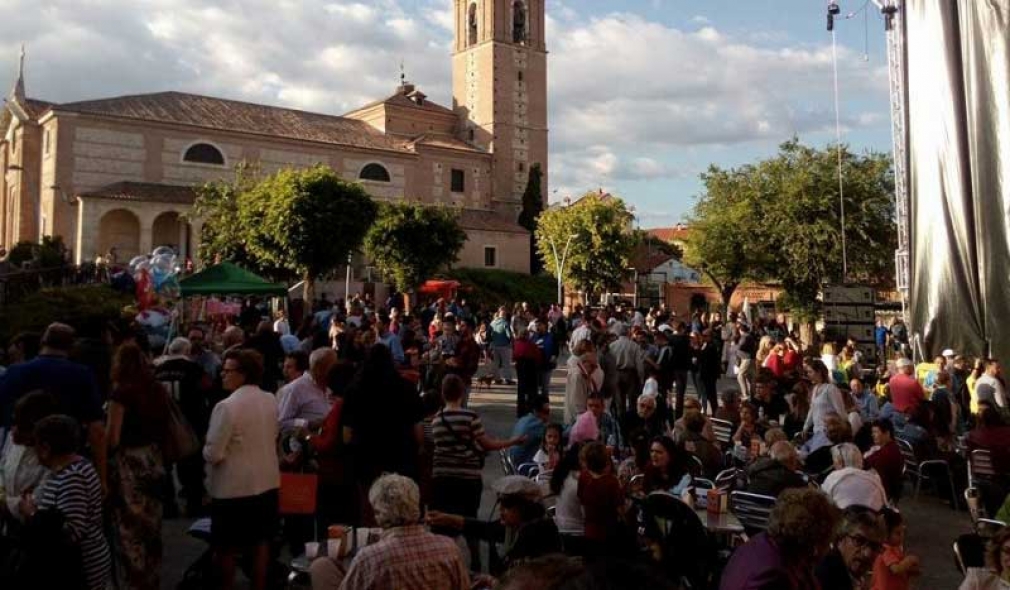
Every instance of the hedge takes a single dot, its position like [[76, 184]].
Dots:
[[492, 288], [85, 307]]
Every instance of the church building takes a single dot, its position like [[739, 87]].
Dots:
[[120, 172]]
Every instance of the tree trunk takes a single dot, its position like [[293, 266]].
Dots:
[[308, 295], [726, 292], [807, 337]]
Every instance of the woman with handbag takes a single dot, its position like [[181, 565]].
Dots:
[[244, 474], [137, 425]]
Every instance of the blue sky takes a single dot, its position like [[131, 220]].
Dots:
[[644, 94]]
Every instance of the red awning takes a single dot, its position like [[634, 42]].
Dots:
[[436, 287]]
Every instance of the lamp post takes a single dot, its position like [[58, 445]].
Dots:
[[347, 284], [559, 264]]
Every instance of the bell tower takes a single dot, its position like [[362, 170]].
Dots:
[[499, 87]]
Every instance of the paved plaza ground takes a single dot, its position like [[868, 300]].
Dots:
[[932, 524]]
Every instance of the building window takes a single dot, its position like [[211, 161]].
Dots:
[[490, 256], [522, 167], [520, 76], [518, 22], [471, 25], [204, 153], [376, 172], [472, 134], [458, 181]]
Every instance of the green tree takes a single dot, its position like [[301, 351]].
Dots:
[[223, 238], [802, 224], [411, 242], [722, 243], [533, 206], [305, 221], [600, 250], [779, 220]]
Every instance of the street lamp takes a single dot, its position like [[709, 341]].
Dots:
[[347, 284], [559, 264]]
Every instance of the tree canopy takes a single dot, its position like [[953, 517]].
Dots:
[[600, 250], [779, 220], [302, 222], [411, 242]]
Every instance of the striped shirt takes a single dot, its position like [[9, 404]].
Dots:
[[457, 455], [76, 493]]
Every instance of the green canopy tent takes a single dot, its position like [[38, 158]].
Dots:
[[227, 279]]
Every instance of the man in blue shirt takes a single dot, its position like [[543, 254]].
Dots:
[[880, 334], [501, 346], [392, 341], [72, 384], [531, 426], [867, 402]]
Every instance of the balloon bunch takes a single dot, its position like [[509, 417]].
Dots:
[[156, 273]]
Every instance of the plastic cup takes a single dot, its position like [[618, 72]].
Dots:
[[333, 548], [312, 549]]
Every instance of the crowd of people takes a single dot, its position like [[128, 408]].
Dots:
[[374, 404]]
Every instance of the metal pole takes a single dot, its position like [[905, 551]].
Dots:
[[347, 285], [561, 269], [557, 266]]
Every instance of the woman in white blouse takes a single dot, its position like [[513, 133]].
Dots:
[[243, 472], [824, 397], [850, 485]]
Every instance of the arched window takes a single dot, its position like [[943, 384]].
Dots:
[[518, 22], [471, 25], [376, 172], [204, 153]]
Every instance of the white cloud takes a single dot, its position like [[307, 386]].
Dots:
[[628, 81], [627, 96]]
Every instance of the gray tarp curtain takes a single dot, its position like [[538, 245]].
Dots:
[[958, 63]]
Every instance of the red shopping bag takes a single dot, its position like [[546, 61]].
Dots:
[[298, 493]]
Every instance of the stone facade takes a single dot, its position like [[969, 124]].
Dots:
[[500, 88], [106, 173]]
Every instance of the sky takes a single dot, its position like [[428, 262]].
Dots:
[[644, 95]]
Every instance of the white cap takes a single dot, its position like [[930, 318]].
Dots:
[[948, 353], [903, 362], [665, 328]]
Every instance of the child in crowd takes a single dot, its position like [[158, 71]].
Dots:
[[602, 499], [550, 449], [893, 569]]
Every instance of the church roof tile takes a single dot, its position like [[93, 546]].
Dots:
[[483, 220], [145, 191], [242, 117]]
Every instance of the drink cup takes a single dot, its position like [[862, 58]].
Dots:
[[312, 549], [333, 548]]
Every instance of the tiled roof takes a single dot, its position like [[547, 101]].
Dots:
[[480, 220], [145, 191], [399, 98], [443, 141], [645, 261], [670, 234], [242, 117]]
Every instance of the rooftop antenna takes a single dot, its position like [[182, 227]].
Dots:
[[403, 74]]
